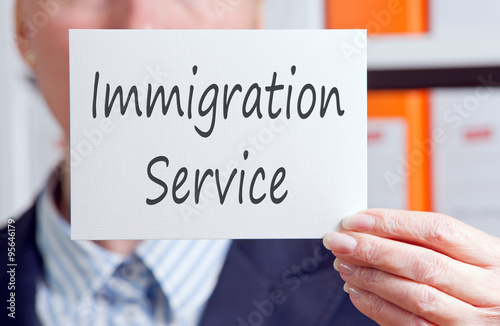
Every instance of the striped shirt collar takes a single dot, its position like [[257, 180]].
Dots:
[[187, 270]]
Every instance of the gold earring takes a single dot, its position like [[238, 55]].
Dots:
[[30, 57]]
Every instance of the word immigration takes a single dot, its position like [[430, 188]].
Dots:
[[309, 100]]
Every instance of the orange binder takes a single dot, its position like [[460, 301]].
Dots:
[[413, 107], [378, 16]]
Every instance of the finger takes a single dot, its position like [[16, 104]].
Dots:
[[435, 231], [419, 299], [416, 263], [382, 311]]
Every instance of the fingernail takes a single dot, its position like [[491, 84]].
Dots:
[[358, 222], [344, 267], [354, 291], [340, 243]]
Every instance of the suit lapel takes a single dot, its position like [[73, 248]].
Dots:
[[275, 282], [28, 270]]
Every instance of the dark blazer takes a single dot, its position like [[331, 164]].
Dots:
[[263, 282]]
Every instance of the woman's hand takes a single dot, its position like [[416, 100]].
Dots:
[[414, 268]]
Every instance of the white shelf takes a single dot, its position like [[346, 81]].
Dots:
[[418, 52], [462, 33]]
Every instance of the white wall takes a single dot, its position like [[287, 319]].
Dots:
[[28, 133], [4, 112], [12, 122], [294, 14]]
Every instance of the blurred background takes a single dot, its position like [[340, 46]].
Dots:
[[433, 104]]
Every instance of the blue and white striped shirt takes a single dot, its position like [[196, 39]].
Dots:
[[164, 282]]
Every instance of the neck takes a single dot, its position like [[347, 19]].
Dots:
[[62, 198]]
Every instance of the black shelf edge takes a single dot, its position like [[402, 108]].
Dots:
[[431, 78]]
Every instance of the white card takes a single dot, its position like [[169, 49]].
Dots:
[[151, 173]]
